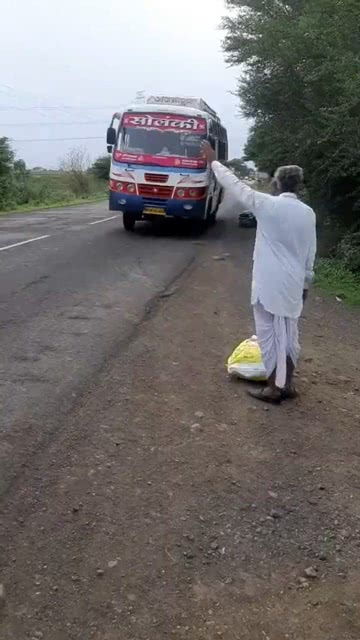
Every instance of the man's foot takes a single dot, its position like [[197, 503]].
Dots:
[[269, 395], [289, 393]]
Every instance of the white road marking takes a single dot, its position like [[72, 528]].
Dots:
[[104, 220], [19, 244]]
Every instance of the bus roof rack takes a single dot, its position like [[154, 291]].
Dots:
[[194, 103]]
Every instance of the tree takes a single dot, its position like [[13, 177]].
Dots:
[[6, 157], [101, 167], [75, 167], [301, 87], [239, 167], [20, 167], [6, 168]]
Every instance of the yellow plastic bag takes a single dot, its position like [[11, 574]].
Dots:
[[246, 361]]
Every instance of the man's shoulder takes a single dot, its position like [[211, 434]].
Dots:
[[305, 208], [309, 209]]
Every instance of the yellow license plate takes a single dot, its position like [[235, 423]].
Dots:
[[154, 211]]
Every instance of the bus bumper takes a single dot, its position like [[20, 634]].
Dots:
[[140, 207]]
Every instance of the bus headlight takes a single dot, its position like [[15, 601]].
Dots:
[[191, 193]]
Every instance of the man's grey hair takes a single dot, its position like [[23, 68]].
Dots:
[[289, 178]]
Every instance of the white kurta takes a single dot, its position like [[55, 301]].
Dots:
[[285, 245]]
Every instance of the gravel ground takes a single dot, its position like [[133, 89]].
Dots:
[[170, 505]]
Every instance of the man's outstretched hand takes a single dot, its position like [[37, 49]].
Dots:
[[208, 152]]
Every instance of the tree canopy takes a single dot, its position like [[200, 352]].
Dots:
[[300, 86], [101, 167], [239, 166], [6, 157]]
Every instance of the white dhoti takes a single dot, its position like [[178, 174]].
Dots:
[[278, 339]]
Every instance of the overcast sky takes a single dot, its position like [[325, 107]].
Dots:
[[88, 58]]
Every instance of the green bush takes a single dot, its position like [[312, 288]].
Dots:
[[349, 251]]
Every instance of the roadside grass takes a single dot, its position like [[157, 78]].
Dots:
[[56, 204], [54, 189], [335, 279]]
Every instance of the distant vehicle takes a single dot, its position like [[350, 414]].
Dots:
[[157, 168], [247, 219]]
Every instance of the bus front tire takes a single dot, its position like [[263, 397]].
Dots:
[[129, 221]]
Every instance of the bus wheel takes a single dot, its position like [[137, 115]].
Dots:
[[129, 221]]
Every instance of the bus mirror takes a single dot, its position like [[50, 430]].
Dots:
[[111, 136], [109, 148], [212, 142]]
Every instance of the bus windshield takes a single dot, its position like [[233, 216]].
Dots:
[[164, 139], [160, 143]]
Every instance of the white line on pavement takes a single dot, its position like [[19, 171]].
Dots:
[[104, 220], [18, 244]]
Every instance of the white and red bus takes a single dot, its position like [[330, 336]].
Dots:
[[157, 168]]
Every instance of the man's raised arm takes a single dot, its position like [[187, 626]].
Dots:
[[248, 198]]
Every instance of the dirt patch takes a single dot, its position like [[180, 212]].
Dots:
[[172, 506]]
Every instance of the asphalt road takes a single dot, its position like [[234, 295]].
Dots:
[[73, 286]]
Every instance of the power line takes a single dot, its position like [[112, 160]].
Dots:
[[57, 139], [51, 124], [43, 110], [65, 107]]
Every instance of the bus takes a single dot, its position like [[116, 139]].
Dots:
[[157, 168]]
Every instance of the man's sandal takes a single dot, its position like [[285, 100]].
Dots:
[[289, 393], [265, 396]]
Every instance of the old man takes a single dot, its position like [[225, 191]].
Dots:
[[284, 257]]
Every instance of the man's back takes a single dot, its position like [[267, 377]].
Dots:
[[284, 251], [285, 244]]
